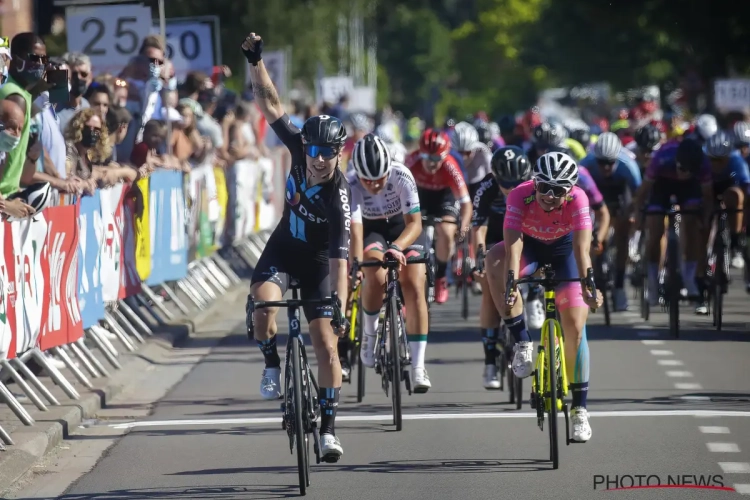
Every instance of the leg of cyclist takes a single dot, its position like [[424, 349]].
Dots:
[[497, 275], [445, 239], [734, 199], [315, 284], [695, 237], [489, 319], [655, 232], [372, 297], [622, 231], [412, 281]]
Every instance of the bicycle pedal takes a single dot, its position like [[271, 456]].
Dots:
[[330, 459]]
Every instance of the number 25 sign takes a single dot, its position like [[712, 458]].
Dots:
[[109, 34]]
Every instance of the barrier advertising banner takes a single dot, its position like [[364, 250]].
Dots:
[[91, 238], [168, 239]]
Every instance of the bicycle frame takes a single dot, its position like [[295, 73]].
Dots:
[[550, 322]]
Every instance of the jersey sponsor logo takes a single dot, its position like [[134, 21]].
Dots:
[[292, 196], [346, 208], [546, 232], [515, 210], [529, 199], [309, 216], [457, 176]]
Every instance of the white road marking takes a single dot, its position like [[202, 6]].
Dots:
[[711, 429], [742, 489], [653, 342], [429, 416], [659, 352], [723, 447], [696, 398], [670, 362], [688, 386], [679, 374], [735, 467]]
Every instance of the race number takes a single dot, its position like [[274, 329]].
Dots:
[[190, 46], [109, 34]]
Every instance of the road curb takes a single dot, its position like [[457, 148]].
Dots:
[[53, 426]]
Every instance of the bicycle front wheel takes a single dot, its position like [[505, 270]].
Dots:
[[552, 391], [395, 357], [465, 264], [360, 366], [299, 417]]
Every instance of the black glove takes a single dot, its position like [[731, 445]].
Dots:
[[253, 55]]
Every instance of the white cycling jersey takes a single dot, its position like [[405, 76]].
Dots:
[[399, 196], [398, 152], [478, 165]]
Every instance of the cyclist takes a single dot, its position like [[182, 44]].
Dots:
[[485, 136], [509, 168], [731, 181], [310, 244], [476, 155], [648, 138], [442, 191], [386, 220], [398, 150], [548, 222], [705, 127], [582, 135], [618, 178], [681, 169], [742, 139], [544, 137]]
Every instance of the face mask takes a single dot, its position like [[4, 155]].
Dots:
[[8, 142], [172, 84], [33, 72], [154, 70], [90, 138], [78, 87]]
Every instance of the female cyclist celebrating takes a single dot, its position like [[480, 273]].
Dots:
[[386, 219], [548, 222]]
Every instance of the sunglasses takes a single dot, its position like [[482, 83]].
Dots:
[[326, 152], [605, 163], [37, 59], [432, 158], [155, 60], [548, 189], [120, 83], [372, 182]]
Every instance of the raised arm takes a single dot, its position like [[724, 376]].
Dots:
[[265, 93]]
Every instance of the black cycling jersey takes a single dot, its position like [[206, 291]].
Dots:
[[319, 217], [488, 201]]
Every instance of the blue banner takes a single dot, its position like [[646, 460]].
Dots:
[[89, 263], [169, 244]]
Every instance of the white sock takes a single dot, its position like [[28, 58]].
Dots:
[[370, 323], [418, 346]]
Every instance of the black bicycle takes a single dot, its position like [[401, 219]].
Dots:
[[671, 274], [301, 407], [393, 355], [604, 271], [718, 262]]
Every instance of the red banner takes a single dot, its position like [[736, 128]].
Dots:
[[7, 293], [62, 322]]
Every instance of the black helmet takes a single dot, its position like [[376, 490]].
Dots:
[[450, 122], [485, 134], [547, 134], [581, 135], [689, 156], [507, 124], [510, 165], [324, 130], [648, 137]]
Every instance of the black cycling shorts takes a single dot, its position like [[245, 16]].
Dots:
[[720, 187], [284, 260], [438, 203], [494, 230], [379, 233], [473, 188], [688, 193], [617, 198]]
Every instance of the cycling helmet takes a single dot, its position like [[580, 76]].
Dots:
[[464, 136], [581, 135], [360, 122], [484, 133], [510, 165], [689, 155], [648, 137], [386, 133], [324, 130], [706, 126], [495, 129], [434, 142], [556, 168], [371, 158], [607, 147], [546, 135], [37, 196], [741, 134], [449, 123], [719, 145]]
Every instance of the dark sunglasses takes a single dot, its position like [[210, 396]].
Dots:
[[155, 60], [605, 163], [432, 158], [547, 189], [37, 59], [327, 152]]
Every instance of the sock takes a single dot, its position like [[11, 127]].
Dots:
[[329, 403], [417, 346], [734, 242], [441, 269], [370, 322], [580, 384], [580, 391], [620, 278], [517, 328], [490, 337], [270, 353]]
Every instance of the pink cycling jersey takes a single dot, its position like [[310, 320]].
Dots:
[[524, 214]]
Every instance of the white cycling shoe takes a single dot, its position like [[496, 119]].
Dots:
[[367, 350], [491, 380], [581, 427], [534, 314], [421, 380], [270, 383], [523, 359], [330, 448]]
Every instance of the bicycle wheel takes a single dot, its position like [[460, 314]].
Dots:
[[673, 288], [465, 264], [299, 419], [360, 366], [395, 358], [551, 382], [719, 277]]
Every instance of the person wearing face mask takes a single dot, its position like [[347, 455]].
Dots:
[[79, 79], [87, 141], [11, 122], [49, 128]]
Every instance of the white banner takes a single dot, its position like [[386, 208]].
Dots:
[[109, 34], [32, 236], [247, 173], [111, 250], [190, 46], [362, 99], [732, 95], [7, 292], [333, 88]]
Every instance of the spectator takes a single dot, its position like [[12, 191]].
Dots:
[[197, 143], [98, 97], [146, 153], [120, 92], [11, 118], [80, 77], [118, 119], [87, 142]]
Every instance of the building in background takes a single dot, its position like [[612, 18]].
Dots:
[[16, 16]]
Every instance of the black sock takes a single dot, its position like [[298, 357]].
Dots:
[[489, 339], [580, 391], [270, 353], [329, 403], [619, 278], [441, 269]]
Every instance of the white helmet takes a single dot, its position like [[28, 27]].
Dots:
[[741, 134], [556, 168], [371, 158], [706, 126], [464, 136], [607, 147], [398, 152], [385, 132]]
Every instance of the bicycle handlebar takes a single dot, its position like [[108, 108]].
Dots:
[[337, 322], [547, 281]]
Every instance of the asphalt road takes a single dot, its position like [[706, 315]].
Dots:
[[656, 406]]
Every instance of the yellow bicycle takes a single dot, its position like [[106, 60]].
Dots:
[[355, 334], [550, 365]]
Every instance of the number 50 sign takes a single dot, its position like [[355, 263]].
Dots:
[[109, 34]]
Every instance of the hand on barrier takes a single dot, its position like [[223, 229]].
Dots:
[[16, 208]]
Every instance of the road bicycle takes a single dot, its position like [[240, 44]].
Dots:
[[549, 381], [300, 407], [355, 331]]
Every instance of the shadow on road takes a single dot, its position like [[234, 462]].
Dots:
[[259, 492]]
